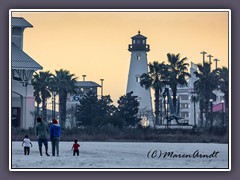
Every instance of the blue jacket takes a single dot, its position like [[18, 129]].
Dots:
[[55, 131]]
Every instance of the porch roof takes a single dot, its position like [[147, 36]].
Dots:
[[20, 22], [20, 60]]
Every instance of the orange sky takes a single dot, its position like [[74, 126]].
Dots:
[[96, 43]]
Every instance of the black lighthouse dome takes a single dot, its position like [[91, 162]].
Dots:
[[139, 43]]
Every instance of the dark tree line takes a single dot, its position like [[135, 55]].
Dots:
[[92, 111]]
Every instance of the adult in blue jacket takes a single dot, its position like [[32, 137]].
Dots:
[[55, 132]]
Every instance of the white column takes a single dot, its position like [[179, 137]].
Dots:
[[28, 112]]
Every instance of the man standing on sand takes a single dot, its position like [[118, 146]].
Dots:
[[42, 132]]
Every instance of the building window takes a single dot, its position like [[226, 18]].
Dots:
[[184, 105], [184, 114], [143, 41], [184, 97], [134, 41], [138, 41]]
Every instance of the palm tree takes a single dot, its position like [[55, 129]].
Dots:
[[177, 74], [65, 83], [155, 79], [41, 82], [194, 100], [204, 87]]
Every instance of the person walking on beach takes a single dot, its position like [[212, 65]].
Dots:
[[55, 132], [75, 148], [26, 144], [42, 132]]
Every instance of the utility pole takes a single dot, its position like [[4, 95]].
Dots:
[[84, 76], [216, 60], [101, 86], [210, 60], [203, 53]]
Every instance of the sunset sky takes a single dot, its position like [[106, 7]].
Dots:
[[96, 43]]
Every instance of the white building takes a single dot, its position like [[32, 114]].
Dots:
[[184, 93], [23, 67]]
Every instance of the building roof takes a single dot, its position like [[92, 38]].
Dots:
[[20, 60], [87, 84], [20, 22], [139, 36]]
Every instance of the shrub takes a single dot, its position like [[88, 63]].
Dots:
[[111, 132]]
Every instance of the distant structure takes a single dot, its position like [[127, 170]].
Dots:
[[83, 88], [73, 100], [138, 66], [23, 67], [186, 105], [184, 94]]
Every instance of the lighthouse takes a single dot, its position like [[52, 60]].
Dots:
[[138, 66]]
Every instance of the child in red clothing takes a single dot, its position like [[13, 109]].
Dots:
[[75, 148]]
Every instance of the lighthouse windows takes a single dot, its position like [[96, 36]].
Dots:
[[138, 78], [139, 57]]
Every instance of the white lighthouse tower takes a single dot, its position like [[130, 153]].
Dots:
[[138, 66]]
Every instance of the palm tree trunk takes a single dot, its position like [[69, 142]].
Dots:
[[44, 110], [226, 109], [62, 109], [194, 113], [174, 91], [207, 114], [201, 113], [156, 106], [161, 114], [37, 114]]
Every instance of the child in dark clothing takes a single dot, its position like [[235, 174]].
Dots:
[[75, 148], [26, 144]]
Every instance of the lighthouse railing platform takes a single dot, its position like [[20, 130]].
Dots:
[[138, 47]]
